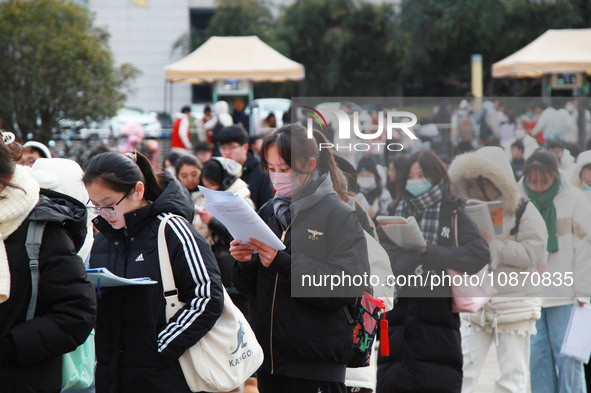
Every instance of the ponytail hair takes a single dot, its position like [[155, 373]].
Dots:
[[121, 172], [296, 135], [9, 155]]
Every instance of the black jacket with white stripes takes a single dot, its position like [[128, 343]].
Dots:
[[136, 348]]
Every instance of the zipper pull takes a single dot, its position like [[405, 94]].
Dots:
[[384, 339]]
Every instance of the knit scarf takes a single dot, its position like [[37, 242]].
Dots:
[[281, 209], [15, 206], [425, 208], [544, 202]]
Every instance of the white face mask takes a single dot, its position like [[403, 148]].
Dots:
[[366, 183]]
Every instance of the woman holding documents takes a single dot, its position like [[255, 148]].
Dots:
[[509, 318], [31, 346], [307, 340], [567, 215], [137, 348], [425, 343]]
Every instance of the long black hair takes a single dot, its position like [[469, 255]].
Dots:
[[121, 172]]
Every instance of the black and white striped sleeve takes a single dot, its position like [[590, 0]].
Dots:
[[198, 281]]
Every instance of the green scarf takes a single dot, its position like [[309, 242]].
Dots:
[[544, 202]]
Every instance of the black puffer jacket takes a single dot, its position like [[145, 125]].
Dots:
[[425, 342], [306, 337], [137, 350], [30, 352]]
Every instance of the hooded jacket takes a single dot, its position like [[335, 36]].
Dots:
[[575, 174], [222, 115], [424, 333], [516, 254], [215, 233], [137, 348], [306, 337], [30, 351], [573, 229]]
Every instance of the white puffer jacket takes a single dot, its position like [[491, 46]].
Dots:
[[573, 227], [575, 174], [511, 254]]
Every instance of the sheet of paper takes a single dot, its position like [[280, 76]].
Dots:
[[577, 341], [108, 279], [239, 218]]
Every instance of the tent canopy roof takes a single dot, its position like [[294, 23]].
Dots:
[[234, 58], [555, 51]]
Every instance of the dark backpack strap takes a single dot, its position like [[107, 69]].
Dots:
[[33, 246], [518, 214]]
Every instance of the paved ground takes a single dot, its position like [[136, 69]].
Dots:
[[490, 372]]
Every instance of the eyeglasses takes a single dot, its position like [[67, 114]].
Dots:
[[107, 210], [229, 148]]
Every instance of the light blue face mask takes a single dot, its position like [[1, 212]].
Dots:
[[418, 186], [586, 187]]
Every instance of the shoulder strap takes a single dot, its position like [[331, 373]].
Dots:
[[33, 246], [519, 214], [454, 227], [168, 284]]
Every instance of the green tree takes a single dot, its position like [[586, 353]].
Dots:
[[233, 18], [56, 65], [348, 47], [441, 35]]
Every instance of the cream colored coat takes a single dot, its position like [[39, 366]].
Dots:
[[573, 227], [513, 307]]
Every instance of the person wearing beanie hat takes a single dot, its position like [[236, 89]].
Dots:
[[32, 151], [567, 216]]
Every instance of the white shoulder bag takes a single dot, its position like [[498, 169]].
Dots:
[[228, 354]]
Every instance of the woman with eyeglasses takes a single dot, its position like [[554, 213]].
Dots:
[[137, 348], [567, 215], [31, 347]]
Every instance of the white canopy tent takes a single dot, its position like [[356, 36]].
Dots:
[[246, 57], [555, 51]]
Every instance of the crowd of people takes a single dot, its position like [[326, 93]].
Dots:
[[321, 205]]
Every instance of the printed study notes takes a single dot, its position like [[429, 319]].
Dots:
[[102, 277], [404, 232], [488, 216], [239, 218]]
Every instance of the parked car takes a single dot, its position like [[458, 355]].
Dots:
[[260, 108], [149, 120]]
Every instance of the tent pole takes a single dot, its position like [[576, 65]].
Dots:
[[170, 98], [164, 104]]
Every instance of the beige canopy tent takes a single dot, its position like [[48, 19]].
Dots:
[[555, 51], [246, 58]]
